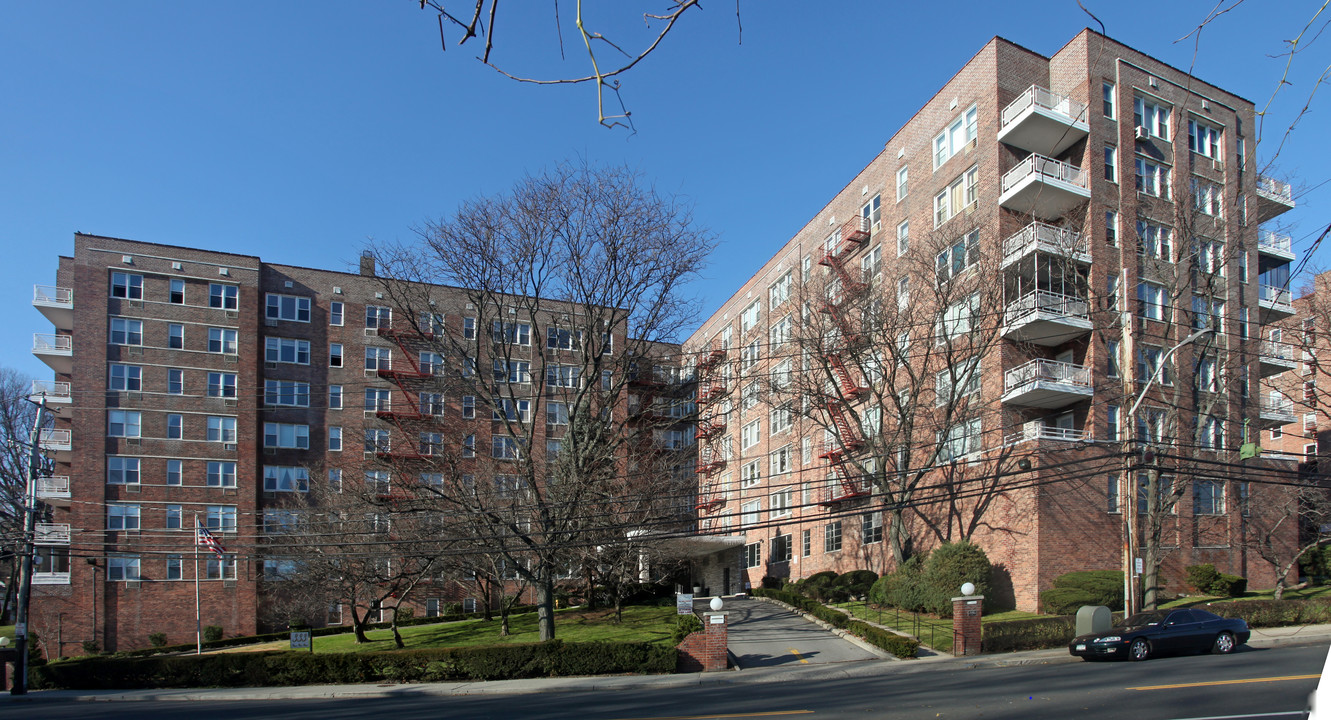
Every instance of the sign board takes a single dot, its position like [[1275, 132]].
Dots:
[[684, 603], [1138, 566], [717, 619], [301, 640], [20, 630]]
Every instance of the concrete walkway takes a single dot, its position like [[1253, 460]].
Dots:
[[767, 635]]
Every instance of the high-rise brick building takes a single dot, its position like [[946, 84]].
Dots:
[[954, 346]]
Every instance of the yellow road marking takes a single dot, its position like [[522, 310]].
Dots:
[[734, 715], [1227, 682], [796, 653]]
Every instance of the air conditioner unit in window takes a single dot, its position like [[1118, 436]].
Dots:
[[229, 447], [229, 402], [1218, 165], [270, 366], [269, 451], [1143, 132], [232, 314], [270, 322], [371, 332]]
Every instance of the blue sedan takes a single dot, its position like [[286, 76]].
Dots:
[[1161, 632]]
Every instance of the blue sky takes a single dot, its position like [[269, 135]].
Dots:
[[301, 131]]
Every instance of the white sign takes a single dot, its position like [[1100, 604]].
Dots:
[[1139, 566], [301, 640], [684, 603], [20, 630], [717, 619]]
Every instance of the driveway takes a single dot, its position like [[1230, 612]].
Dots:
[[767, 635]]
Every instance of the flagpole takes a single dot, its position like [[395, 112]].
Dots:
[[198, 624]]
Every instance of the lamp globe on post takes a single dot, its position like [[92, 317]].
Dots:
[[968, 589], [716, 604]]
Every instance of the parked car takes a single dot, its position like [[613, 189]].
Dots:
[[1161, 632]]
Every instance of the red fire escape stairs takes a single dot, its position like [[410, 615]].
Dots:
[[708, 429], [849, 387], [709, 498], [401, 339], [849, 285], [712, 358], [712, 392], [848, 334], [405, 420], [848, 485]]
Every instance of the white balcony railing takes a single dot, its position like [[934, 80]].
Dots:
[[53, 487], [1037, 430], [51, 389], [1043, 370], [1281, 406], [1039, 97], [1275, 189], [1043, 236], [1274, 295], [54, 438], [1046, 302], [51, 534], [1046, 169], [52, 295], [1277, 350], [52, 343], [1274, 241]]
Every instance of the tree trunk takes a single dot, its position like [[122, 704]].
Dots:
[[397, 636], [619, 607], [1280, 589], [358, 624], [896, 532], [591, 590], [503, 618], [545, 607]]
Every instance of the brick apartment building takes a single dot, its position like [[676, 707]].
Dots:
[[191, 383], [952, 347]]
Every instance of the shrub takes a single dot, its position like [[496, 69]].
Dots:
[[857, 583], [948, 567], [1229, 585], [1273, 613], [212, 633], [1033, 634], [772, 583], [1086, 587], [158, 639], [684, 626], [901, 588], [89, 646], [1202, 577], [405, 613], [902, 647]]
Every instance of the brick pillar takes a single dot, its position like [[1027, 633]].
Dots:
[[966, 632], [714, 628]]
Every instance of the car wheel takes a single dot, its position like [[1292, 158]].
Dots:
[[1224, 643], [1140, 649]]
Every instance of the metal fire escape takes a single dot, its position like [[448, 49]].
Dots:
[[410, 420], [846, 483], [711, 429]]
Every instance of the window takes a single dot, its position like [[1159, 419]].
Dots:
[[779, 461], [176, 296], [1153, 301], [378, 316], [1207, 313], [122, 471], [222, 340], [221, 474], [872, 263], [1211, 434], [781, 503], [122, 516], [750, 434], [286, 350], [505, 448], [468, 446], [959, 132], [954, 260], [335, 479], [469, 406], [223, 568], [130, 332], [1154, 241], [221, 518], [124, 285], [512, 333], [749, 474], [336, 313], [174, 472], [1207, 197], [1108, 89], [377, 441], [873, 211], [1111, 227], [903, 292], [778, 334], [1152, 178], [334, 354], [557, 338], [957, 197], [285, 478], [781, 418], [1111, 163], [903, 182], [960, 440], [469, 328], [175, 337], [221, 429], [378, 358], [286, 393], [431, 363], [753, 555], [562, 376], [1113, 423], [125, 378], [1208, 497], [1112, 359], [1152, 116], [122, 568], [781, 548], [175, 381], [872, 528], [749, 318], [749, 355], [226, 297], [511, 410], [432, 403], [1204, 139], [956, 319], [1243, 323], [903, 237], [806, 543], [123, 423], [556, 413], [1310, 452], [175, 426], [1151, 425], [173, 567], [221, 384], [749, 512], [288, 436], [1112, 495], [287, 307], [334, 397], [1210, 256], [1151, 363], [957, 381]]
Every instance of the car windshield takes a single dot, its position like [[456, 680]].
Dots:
[[1142, 619]]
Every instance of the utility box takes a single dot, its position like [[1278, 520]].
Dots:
[[1093, 619]]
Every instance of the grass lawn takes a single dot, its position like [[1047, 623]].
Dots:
[[7, 631], [641, 624], [1320, 591]]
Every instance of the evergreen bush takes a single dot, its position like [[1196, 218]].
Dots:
[[947, 568]]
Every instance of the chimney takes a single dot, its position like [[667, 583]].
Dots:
[[367, 263]]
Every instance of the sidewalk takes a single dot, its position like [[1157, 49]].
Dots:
[[1262, 638]]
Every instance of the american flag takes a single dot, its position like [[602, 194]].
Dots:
[[203, 538]]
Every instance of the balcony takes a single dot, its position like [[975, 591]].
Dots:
[[1040, 121], [56, 303], [53, 392], [56, 351], [1041, 237], [1044, 187], [50, 578], [59, 443], [1276, 412], [1047, 384], [51, 534], [1046, 318], [1274, 244], [1276, 357], [53, 490], [1275, 302], [1273, 198], [1036, 430]]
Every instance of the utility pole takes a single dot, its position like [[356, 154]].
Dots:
[[27, 548]]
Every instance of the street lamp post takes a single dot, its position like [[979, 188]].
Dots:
[[1130, 480]]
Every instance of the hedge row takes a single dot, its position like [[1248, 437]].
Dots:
[[898, 645], [1275, 613], [497, 662], [314, 632], [1033, 634]]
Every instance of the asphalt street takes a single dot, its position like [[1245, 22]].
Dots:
[[766, 635]]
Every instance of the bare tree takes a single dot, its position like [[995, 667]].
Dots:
[[17, 415]]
